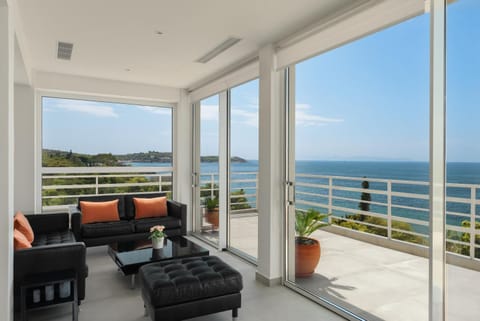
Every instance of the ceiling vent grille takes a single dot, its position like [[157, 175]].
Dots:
[[218, 50], [64, 50]]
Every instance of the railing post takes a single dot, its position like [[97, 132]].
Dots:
[[330, 199], [159, 182], [389, 210], [473, 197], [212, 185], [96, 184], [256, 191]]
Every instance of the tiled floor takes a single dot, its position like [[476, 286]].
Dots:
[[109, 297]]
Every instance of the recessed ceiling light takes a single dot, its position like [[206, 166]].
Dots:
[[158, 32], [128, 69]]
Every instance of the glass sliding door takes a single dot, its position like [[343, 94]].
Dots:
[[243, 215], [463, 161], [359, 166], [206, 174]]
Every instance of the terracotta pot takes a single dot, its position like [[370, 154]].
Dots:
[[211, 216], [306, 257]]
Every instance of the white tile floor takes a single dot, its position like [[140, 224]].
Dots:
[[109, 297]]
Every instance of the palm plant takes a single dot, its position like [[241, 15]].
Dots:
[[308, 222], [211, 203]]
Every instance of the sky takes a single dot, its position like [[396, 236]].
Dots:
[[95, 127], [367, 100]]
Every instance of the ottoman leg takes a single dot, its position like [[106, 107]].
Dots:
[[234, 314], [145, 311]]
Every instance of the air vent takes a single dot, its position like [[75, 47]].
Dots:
[[218, 50], [64, 50]]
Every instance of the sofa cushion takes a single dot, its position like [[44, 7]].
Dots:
[[107, 228], [20, 241], [144, 224], [150, 207], [182, 280], [20, 222], [93, 212], [105, 198], [130, 207], [54, 238]]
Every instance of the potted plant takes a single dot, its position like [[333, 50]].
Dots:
[[211, 210], [157, 235], [307, 249]]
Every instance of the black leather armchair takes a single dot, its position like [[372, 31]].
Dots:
[[54, 249]]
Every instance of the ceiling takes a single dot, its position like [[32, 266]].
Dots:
[[116, 39]]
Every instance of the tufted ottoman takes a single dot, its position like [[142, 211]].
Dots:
[[186, 288]]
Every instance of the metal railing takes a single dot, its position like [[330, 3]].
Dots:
[[397, 209], [243, 189], [62, 186]]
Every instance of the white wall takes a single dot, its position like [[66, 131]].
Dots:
[[24, 192]]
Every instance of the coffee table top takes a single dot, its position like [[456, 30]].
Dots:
[[131, 255]]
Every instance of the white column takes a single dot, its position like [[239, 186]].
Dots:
[[183, 154], [6, 161], [24, 149], [437, 161], [223, 183], [271, 171]]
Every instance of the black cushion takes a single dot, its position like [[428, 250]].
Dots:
[[130, 206], [182, 280], [144, 224], [53, 238], [106, 198], [107, 228]]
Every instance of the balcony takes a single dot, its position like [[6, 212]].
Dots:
[[375, 261]]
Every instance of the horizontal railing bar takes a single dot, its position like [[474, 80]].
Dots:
[[411, 208], [93, 170]]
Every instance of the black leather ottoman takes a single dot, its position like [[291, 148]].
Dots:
[[186, 288]]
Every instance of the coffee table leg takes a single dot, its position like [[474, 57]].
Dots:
[[132, 281]]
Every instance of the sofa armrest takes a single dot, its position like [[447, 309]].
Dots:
[[178, 210], [50, 258], [77, 225], [47, 223]]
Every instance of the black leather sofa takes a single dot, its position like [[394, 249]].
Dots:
[[128, 227], [54, 250]]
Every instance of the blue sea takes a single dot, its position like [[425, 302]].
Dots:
[[461, 173]]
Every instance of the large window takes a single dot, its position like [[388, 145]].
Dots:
[[93, 147], [463, 160], [361, 144]]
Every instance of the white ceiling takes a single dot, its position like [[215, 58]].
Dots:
[[110, 36]]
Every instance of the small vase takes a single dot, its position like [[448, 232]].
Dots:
[[157, 243]]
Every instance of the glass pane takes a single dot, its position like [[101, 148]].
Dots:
[[244, 168], [362, 172], [463, 161], [209, 170], [82, 133]]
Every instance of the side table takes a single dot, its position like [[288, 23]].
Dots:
[[39, 281]]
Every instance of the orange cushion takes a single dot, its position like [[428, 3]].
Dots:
[[20, 241], [20, 223], [99, 211], [150, 207]]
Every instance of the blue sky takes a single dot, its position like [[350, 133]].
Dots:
[[367, 100], [91, 127], [374, 94]]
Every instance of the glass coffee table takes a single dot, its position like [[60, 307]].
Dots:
[[131, 255]]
